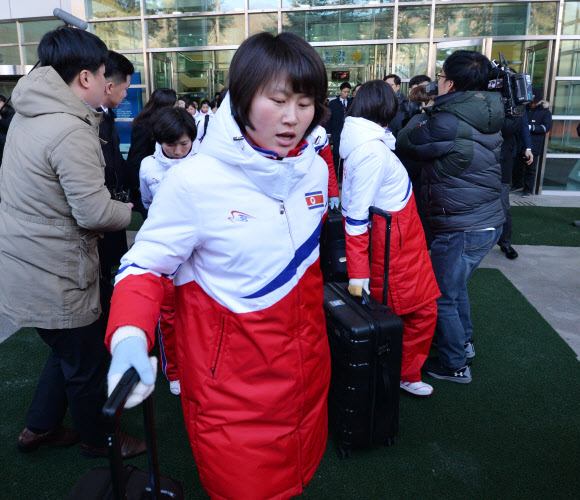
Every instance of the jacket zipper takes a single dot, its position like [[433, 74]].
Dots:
[[217, 356], [300, 457]]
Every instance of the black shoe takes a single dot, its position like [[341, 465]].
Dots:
[[510, 253], [29, 441], [434, 369], [515, 189], [526, 194], [130, 447]]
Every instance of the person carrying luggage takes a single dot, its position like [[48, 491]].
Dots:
[[174, 132], [236, 228], [373, 175]]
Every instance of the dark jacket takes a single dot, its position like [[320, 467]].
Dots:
[[402, 116], [7, 112], [516, 139], [114, 244], [459, 138], [336, 120], [540, 121], [142, 145]]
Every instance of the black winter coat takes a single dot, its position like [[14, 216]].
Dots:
[[459, 139], [402, 116], [516, 135], [540, 121], [114, 244]]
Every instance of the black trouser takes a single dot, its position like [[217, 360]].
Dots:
[[506, 234], [525, 175], [74, 376], [336, 159]]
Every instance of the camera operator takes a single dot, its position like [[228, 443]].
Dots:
[[459, 139], [53, 206]]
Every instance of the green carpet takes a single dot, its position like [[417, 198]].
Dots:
[[545, 226], [511, 433]]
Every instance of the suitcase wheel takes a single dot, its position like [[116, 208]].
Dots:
[[390, 441], [342, 452]]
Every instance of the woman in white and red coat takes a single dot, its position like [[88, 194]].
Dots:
[[373, 175], [236, 228]]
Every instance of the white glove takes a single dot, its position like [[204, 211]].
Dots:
[[129, 349], [356, 286], [333, 202]]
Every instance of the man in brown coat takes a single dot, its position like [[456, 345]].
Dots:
[[53, 206]]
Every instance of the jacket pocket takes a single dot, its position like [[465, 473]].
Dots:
[[88, 260], [219, 348]]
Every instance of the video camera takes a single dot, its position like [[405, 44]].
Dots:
[[120, 194], [515, 88]]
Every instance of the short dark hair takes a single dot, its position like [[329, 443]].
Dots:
[[184, 99], [376, 101], [118, 68], [170, 124], [205, 101], [70, 51], [417, 79], [468, 69], [188, 104], [161, 98], [345, 85], [213, 104], [264, 58], [396, 78]]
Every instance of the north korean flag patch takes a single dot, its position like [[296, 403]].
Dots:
[[314, 200]]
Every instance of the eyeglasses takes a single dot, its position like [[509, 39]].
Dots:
[[440, 75]]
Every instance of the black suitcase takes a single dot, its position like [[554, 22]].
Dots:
[[365, 339], [333, 249], [119, 481]]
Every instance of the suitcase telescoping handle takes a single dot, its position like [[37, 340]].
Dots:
[[111, 414], [388, 217]]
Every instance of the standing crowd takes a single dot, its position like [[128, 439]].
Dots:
[[224, 274]]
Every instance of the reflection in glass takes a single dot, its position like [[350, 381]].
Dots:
[[571, 21], [296, 4], [30, 54], [8, 33], [563, 138], [107, 8], [262, 4], [413, 22], [569, 60], [34, 31], [336, 25], [562, 174], [567, 98], [264, 22], [513, 19], [411, 59], [10, 55], [187, 6], [119, 35], [196, 32]]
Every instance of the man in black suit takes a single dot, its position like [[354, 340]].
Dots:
[[338, 108], [113, 246]]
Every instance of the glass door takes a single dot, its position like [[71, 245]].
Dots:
[[444, 49], [536, 64]]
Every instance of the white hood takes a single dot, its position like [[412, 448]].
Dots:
[[358, 131], [225, 142], [167, 163]]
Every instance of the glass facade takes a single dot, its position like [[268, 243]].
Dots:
[[188, 45]]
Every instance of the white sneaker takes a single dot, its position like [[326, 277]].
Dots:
[[175, 387], [417, 388]]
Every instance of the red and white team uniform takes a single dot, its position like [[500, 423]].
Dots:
[[319, 139], [237, 232], [373, 175], [151, 173]]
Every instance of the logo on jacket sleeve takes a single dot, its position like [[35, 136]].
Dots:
[[314, 200], [239, 217]]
